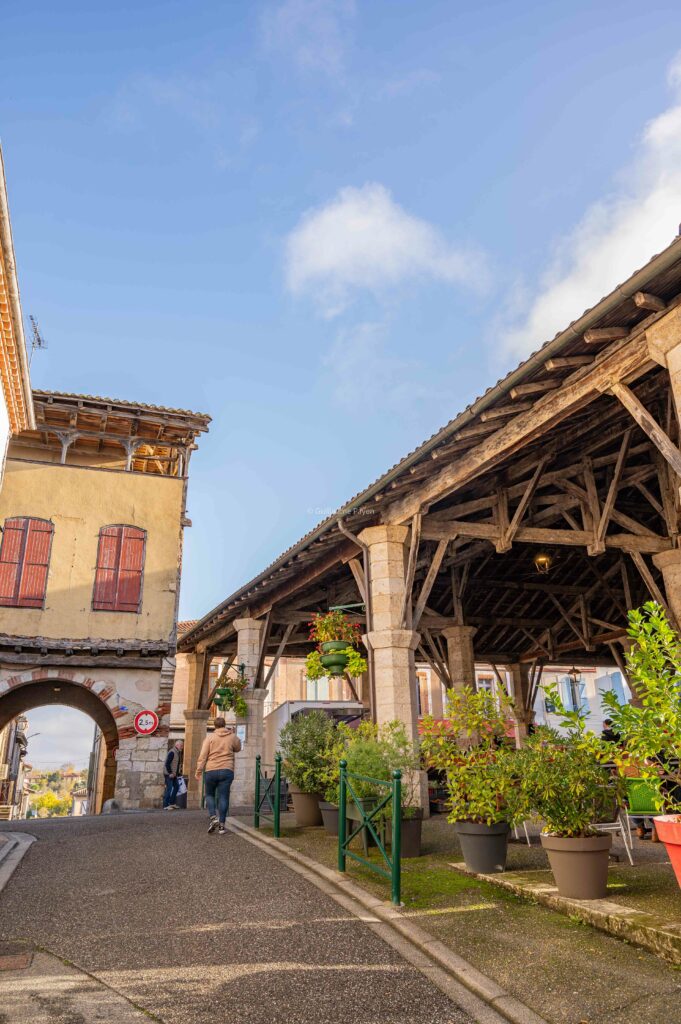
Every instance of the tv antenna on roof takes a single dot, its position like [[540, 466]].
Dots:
[[37, 340]]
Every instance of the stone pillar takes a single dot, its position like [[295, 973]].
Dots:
[[460, 655], [195, 723], [393, 647], [108, 786], [248, 633], [669, 564], [664, 345], [520, 681]]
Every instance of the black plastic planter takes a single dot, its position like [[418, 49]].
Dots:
[[483, 846]]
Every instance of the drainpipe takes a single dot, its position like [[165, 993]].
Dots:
[[367, 604]]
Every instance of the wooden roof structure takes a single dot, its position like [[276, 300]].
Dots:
[[142, 438], [573, 455]]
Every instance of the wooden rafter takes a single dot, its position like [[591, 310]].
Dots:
[[429, 581]]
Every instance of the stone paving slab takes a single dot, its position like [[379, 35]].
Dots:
[[49, 991], [660, 935]]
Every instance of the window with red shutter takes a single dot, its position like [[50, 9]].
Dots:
[[120, 568], [24, 562]]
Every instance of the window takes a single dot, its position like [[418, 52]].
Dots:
[[120, 566], [24, 561], [317, 689]]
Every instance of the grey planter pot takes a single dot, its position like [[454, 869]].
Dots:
[[306, 808], [329, 817], [484, 847], [579, 866]]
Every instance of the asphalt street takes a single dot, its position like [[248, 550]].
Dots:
[[195, 928]]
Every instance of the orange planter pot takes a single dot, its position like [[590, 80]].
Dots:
[[668, 828]]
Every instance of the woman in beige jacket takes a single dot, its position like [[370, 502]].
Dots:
[[217, 759]]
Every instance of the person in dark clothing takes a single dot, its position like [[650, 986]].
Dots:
[[172, 769], [608, 735]]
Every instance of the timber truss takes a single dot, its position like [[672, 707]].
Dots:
[[574, 457]]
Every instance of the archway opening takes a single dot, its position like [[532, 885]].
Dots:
[[57, 692]]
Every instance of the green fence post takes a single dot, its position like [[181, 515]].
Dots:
[[277, 795], [256, 808], [397, 837], [342, 805]]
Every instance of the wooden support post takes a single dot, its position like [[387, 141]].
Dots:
[[406, 615], [433, 570], [648, 424]]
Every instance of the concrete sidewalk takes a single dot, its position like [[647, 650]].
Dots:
[[192, 928]]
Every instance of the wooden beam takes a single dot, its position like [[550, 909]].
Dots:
[[550, 410], [535, 387], [429, 581], [644, 300], [511, 530], [646, 422], [438, 669], [264, 640], [563, 614], [609, 503], [280, 650], [443, 667], [499, 411], [357, 570], [539, 535], [653, 589], [406, 613], [593, 505], [599, 334], [568, 362]]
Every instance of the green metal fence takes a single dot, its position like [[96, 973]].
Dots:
[[268, 795], [368, 819]]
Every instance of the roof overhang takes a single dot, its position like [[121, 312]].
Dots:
[[14, 371]]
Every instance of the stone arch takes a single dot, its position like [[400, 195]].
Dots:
[[42, 687]]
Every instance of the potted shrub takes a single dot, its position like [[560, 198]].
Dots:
[[336, 639], [567, 786], [484, 793], [375, 752], [302, 743], [330, 777], [651, 732]]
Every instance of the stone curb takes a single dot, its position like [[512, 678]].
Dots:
[[663, 938], [451, 973], [12, 853]]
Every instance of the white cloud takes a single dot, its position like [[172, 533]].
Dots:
[[616, 235], [362, 240], [364, 375], [311, 32], [58, 735]]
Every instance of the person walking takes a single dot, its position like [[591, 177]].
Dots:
[[217, 758], [172, 769]]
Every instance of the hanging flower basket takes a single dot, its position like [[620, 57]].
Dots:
[[228, 694], [336, 651]]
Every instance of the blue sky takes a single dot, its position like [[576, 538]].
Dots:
[[328, 224]]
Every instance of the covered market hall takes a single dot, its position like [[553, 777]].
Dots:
[[519, 535]]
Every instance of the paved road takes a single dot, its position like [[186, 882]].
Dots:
[[195, 928]]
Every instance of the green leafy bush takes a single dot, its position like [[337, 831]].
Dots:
[[335, 625], [564, 780], [303, 743], [651, 732], [469, 745]]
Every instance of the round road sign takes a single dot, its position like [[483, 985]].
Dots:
[[146, 722]]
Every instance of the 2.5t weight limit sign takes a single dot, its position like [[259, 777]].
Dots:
[[146, 722]]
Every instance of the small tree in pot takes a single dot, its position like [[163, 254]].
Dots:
[[485, 797], [567, 785], [651, 731], [302, 743]]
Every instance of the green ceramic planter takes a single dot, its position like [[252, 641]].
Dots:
[[334, 659]]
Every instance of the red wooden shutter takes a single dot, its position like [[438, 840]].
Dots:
[[130, 570], [36, 562], [120, 565], [11, 555]]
